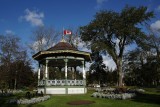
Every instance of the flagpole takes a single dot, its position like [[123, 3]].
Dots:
[[63, 34]]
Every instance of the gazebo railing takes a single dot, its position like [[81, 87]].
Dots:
[[62, 82]]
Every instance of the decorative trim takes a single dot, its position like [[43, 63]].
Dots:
[[62, 51], [64, 57]]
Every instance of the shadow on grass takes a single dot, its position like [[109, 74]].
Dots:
[[37, 105], [147, 98], [15, 105]]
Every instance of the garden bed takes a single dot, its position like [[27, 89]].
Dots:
[[28, 101], [116, 93], [122, 96]]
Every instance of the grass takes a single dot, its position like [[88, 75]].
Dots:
[[150, 99]]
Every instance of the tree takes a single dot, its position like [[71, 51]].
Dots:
[[15, 69], [153, 41], [141, 67], [9, 49], [112, 32], [98, 68], [74, 39], [153, 46], [43, 38], [133, 63]]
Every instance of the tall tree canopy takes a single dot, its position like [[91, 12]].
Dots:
[[15, 69], [141, 68], [98, 68], [112, 31], [43, 38]]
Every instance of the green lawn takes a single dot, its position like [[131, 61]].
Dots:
[[150, 99]]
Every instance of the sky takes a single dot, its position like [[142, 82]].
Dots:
[[21, 17]]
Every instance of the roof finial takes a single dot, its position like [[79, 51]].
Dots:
[[63, 40]]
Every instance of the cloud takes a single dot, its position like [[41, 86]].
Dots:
[[81, 45], [87, 66], [100, 3], [37, 44], [158, 8], [106, 60], [35, 18], [156, 25], [109, 62], [9, 32]]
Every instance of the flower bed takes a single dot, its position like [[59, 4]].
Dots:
[[122, 96], [116, 93], [29, 101], [9, 92]]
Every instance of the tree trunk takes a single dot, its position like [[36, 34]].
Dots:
[[119, 70], [15, 82]]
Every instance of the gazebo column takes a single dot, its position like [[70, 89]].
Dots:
[[84, 73], [46, 76], [46, 70], [39, 72], [66, 60]]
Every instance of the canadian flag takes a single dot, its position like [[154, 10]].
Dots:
[[67, 32]]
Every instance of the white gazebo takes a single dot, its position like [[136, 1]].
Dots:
[[63, 55]]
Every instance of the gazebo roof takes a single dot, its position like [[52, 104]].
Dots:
[[62, 45], [62, 49]]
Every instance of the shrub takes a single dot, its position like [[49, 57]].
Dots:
[[41, 94], [28, 95]]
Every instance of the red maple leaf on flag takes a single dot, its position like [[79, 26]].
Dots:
[[67, 32]]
